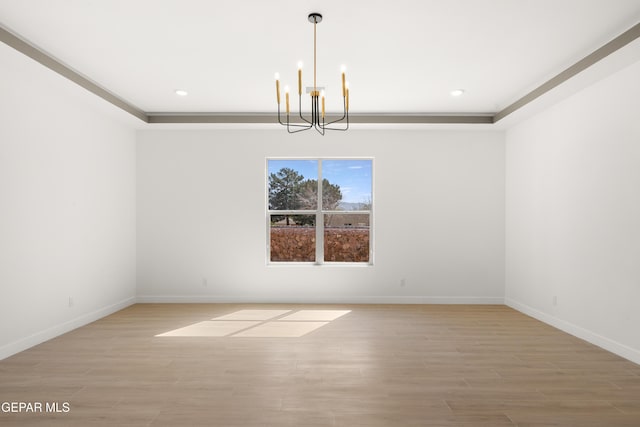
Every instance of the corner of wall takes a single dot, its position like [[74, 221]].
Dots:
[[57, 330]]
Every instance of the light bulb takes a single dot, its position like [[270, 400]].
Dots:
[[343, 68], [181, 92], [300, 64], [277, 76], [457, 92], [286, 89]]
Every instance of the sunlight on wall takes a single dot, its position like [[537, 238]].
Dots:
[[260, 324]]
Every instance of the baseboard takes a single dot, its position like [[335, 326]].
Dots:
[[585, 334], [57, 330], [213, 299]]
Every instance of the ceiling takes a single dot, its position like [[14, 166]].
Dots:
[[402, 57]]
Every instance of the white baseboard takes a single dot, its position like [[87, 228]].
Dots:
[[57, 330], [317, 300], [585, 334]]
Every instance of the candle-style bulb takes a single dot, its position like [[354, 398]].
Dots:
[[322, 94], [344, 93], [347, 100], [286, 97], [278, 87]]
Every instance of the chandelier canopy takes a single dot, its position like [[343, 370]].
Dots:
[[317, 118]]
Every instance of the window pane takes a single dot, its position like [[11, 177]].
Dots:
[[293, 238], [346, 237], [353, 180], [293, 184]]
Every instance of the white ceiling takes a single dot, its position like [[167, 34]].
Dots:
[[402, 56]]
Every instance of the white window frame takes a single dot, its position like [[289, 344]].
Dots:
[[319, 213]]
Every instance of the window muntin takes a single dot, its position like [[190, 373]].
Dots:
[[319, 211]]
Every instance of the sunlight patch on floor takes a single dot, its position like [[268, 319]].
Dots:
[[316, 315], [252, 315], [280, 330], [260, 324], [210, 328]]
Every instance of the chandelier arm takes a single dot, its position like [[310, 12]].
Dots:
[[296, 125], [314, 110], [327, 126], [316, 124], [290, 125], [340, 129], [300, 109], [345, 114], [279, 119], [318, 127], [298, 130], [338, 120]]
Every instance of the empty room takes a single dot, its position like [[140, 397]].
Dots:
[[305, 213]]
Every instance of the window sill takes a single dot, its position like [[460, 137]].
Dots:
[[326, 264]]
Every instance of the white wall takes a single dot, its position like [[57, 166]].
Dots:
[[67, 205], [439, 217], [573, 214]]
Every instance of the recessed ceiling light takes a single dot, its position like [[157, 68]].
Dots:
[[181, 92], [457, 92]]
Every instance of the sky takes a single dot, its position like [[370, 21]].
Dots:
[[354, 176]]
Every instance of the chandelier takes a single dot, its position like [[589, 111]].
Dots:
[[317, 119]]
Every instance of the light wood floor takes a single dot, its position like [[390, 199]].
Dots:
[[378, 365]]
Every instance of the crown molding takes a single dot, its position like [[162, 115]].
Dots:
[[270, 118], [30, 50], [53, 64], [618, 43]]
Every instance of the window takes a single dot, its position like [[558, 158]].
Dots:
[[319, 211]]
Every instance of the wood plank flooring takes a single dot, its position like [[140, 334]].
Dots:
[[377, 365]]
